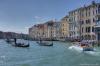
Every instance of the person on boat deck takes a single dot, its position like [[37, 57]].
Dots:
[[15, 40]]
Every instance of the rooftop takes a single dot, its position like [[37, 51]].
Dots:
[[93, 3]]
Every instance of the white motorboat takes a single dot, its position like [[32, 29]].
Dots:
[[76, 47], [82, 47]]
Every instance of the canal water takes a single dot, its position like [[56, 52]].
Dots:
[[35, 55]]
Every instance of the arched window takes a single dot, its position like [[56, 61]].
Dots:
[[93, 37], [88, 37]]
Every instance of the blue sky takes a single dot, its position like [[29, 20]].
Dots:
[[19, 15]]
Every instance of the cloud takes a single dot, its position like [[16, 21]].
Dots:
[[37, 17], [40, 18]]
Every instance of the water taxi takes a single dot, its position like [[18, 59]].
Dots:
[[82, 47]]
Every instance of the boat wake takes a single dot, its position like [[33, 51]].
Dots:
[[94, 53], [78, 49]]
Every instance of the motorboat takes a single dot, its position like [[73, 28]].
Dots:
[[86, 47], [82, 47]]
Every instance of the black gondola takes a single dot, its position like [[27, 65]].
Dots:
[[20, 44], [45, 44]]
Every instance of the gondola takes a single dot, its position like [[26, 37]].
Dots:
[[45, 44], [21, 45]]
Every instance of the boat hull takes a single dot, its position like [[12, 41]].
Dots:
[[45, 44], [79, 48], [21, 45]]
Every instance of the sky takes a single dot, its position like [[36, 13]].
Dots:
[[18, 15]]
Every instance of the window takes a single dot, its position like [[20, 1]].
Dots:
[[93, 20], [93, 12], [85, 37], [63, 24], [86, 14], [98, 18], [82, 37], [88, 37], [63, 33], [74, 33], [89, 13], [93, 37], [96, 11], [82, 29], [88, 29], [99, 6], [66, 20], [70, 34], [82, 15], [88, 21], [93, 29], [69, 19], [63, 29], [82, 22], [99, 9]]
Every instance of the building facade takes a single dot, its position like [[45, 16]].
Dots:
[[79, 24], [49, 30], [65, 27], [58, 30], [83, 20], [33, 32], [89, 16], [74, 25]]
